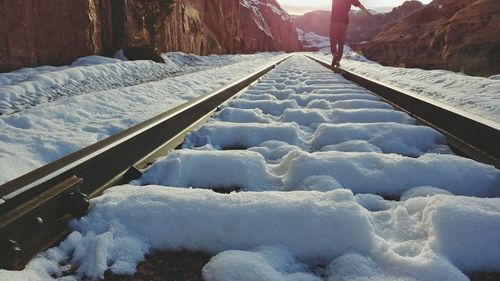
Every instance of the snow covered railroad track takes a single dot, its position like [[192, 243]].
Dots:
[[469, 134], [315, 159], [43, 200]]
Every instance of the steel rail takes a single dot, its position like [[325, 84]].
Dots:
[[35, 208], [468, 134]]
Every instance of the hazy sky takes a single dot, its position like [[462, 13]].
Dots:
[[301, 6]]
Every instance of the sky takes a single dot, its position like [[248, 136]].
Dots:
[[301, 6]]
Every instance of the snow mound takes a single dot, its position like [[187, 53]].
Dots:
[[238, 115], [265, 263], [234, 135], [383, 137], [305, 99], [389, 137], [212, 169], [313, 42], [283, 235], [86, 75], [393, 268], [311, 117], [465, 230], [170, 218], [423, 191], [275, 108], [382, 174], [477, 95], [94, 60]]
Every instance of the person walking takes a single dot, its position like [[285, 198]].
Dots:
[[338, 26]]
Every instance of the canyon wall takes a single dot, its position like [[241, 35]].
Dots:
[[459, 35], [362, 27], [55, 32], [49, 32]]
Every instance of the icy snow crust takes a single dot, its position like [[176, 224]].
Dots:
[[384, 174], [313, 203], [313, 41], [30, 87], [477, 95], [79, 115]]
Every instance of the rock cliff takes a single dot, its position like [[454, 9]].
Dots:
[[49, 32], [315, 21], [55, 32], [362, 27], [459, 35]]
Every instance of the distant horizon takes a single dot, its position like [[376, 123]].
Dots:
[[297, 7]]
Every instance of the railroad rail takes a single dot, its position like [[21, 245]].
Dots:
[[36, 207], [471, 135]]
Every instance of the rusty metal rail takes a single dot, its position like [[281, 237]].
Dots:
[[35, 208], [468, 134]]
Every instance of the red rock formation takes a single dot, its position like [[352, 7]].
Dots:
[[362, 27], [56, 32], [228, 26], [459, 35], [48, 32], [315, 21], [265, 21]]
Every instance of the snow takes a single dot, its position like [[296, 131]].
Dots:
[[326, 228], [475, 220], [42, 131], [423, 191], [23, 91], [384, 174], [390, 174], [275, 108], [309, 117], [316, 186], [260, 21], [265, 263], [226, 135], [225, 169], [473, 94], [332, 97], [388, 137], [392, 268], [243, 115], [313, 42], [477, 95], [191, 62], [94, 60], [255, 6]]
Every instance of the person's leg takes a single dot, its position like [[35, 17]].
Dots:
[[333, 42], [340, 35]]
